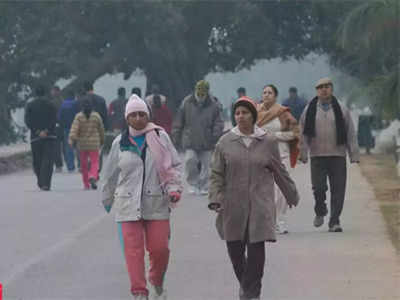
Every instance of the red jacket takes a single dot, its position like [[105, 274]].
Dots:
[[163, 117]]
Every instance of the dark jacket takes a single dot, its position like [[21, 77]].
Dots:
[[41, 114], [198, 126], [296, 105], [66, 115]]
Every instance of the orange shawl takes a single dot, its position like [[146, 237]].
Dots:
[[288, 123]]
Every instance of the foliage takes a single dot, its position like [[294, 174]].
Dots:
[[369, 43], [174, 43]]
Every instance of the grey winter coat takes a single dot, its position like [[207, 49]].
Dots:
[[242, 182], [133, 196], [197, 126]]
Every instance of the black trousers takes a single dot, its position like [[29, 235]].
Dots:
[[43, 152], [58, 161], [248, 270], [57, 153], [334, 169]]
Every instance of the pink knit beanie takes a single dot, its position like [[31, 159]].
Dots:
[[134, 104]]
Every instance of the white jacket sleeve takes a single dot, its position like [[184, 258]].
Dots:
[[109, 176]]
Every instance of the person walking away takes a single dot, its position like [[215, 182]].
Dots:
[[162, 116], [142, 180], [155, 91], [241, 92], [197, 127], [57, 99], [41, 117], [277, 120], [364, 133], [328, 133], [116, 111], [245, 164], [66, 115], [295, 103], [99, 106], [87, 131]]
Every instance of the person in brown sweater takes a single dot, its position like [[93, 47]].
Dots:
[[328, 134]]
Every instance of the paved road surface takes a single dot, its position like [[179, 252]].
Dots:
[[61, 245]]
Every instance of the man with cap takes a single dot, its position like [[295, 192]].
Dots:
[[197, 128], [295, 103], [328, 134]]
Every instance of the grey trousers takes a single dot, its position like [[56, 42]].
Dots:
[[197, 168], [334, 169]]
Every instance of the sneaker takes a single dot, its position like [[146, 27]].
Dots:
[[318, 221], [203, 192], [45, 188], [281, 228], [58, 169], [93, 184], [335, 228], [192, 191], [157, 293], [140, 297]]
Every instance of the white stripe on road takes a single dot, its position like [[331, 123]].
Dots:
[[48, 252]]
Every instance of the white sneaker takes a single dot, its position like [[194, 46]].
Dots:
[[203, 192], [192, 190], [140, 297], [281, 227], [157, 293]]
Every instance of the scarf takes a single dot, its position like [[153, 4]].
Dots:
[[266, 115], [309, 126], [160, 152]]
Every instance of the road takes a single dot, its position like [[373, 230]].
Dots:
[[62, 245]]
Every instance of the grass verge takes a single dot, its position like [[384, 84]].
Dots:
[[381, 172]]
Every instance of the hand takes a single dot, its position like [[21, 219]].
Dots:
[[174, 196], [107, 208], [43, 133], [71, 143], [215, 207]]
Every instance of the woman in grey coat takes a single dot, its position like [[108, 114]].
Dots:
[[244, 167]]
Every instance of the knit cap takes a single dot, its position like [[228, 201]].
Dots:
[[134, 104], [248, 103], [202, 86]]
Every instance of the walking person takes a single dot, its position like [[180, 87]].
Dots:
[[328, 133], [98, 105], [41, 117], [277, 120], [66, 115], [116, 111], [57, 100], [162, 116], [244, 167], [87, 131], [142, 177], [197, 127], [295, 103], [241, 92]]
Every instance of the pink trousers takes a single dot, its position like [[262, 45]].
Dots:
[[93, 155], [154, 234]]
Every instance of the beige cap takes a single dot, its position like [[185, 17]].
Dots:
[[322, 81]]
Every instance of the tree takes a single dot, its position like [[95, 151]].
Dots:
[[175, 43], [369, 42]]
